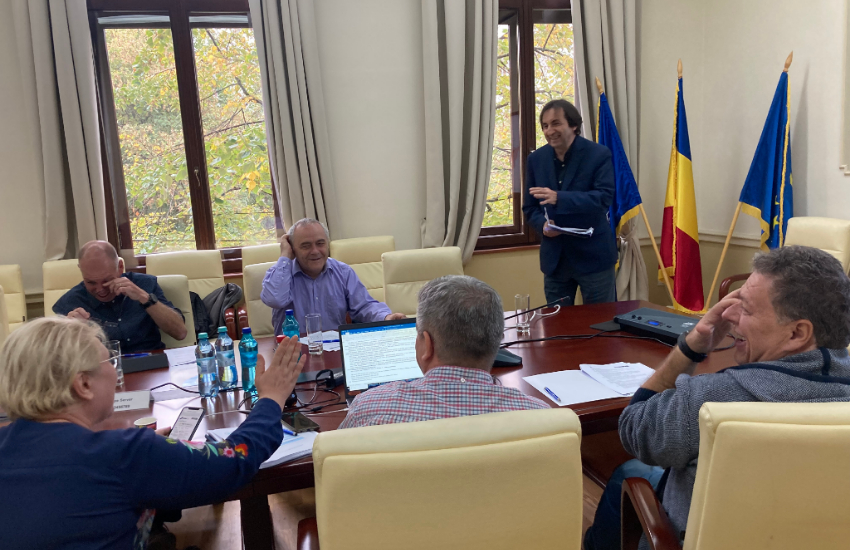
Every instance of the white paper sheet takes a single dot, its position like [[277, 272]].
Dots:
[[181, 356], [330, 340], [291, 448], [623, 378], [569, 230], [571, 386]]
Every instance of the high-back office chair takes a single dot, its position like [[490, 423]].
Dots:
[[176, 289], [363, 254], [204, 270], [770, 475], [828, 234], [493, 481], [59, 276], [259, 254], [407, 271], [4, 319], [13, 287], [259, 313]]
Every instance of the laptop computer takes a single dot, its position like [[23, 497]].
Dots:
[[377, 353]]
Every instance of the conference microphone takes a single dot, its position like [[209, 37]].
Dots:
[[544, 306]]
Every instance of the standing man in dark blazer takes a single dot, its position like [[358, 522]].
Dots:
[[573, 179]]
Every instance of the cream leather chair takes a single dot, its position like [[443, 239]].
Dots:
[[4, 319], [363, 254], [259, 313], [16, 303], [407, 271], [204, 270], [60, 276], [828, 234], [176, 289], [259, 254], [493, 481], [770, 475]]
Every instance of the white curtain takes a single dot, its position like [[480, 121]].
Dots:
[[606, 48], [294, 105], [459, 55], [56, 59]]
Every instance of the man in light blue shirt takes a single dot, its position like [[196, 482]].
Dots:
[[306, 280]]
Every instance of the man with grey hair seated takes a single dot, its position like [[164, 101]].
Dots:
[[306, 280], [791, 326], [459, 327]]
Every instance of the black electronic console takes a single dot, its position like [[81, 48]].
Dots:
[[664, 325]]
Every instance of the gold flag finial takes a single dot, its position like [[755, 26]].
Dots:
[[679, 67], [788, 61], [599, 85]]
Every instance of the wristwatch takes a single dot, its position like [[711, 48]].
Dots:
[[152, 299], [686, 350]]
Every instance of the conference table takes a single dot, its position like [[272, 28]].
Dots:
[[602, 451]]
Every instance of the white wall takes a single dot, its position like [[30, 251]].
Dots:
[[371, 62], [21, 210], [733, 53]]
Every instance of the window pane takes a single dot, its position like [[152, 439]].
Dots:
[[553, 61], [499, 209], [234, 136], [147, 109]]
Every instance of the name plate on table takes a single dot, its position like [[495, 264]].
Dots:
[[131, 400]]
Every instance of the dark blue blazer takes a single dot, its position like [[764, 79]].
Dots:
[[583, 201]]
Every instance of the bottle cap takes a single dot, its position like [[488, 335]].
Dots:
[[203, 335], [246, 330], [279, 338], [290, 312], [222, 329]]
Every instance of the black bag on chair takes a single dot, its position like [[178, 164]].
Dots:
[[202, 316], [218, 301]]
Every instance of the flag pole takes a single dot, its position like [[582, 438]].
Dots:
[[723, 254], [648, 228]]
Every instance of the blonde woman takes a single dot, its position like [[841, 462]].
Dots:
[[65, 485]]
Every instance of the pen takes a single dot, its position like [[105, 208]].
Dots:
[[136, 354], [550, 392], [288, 432], [329, 341]]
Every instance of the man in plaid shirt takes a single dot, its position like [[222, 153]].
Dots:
[[459, 327]]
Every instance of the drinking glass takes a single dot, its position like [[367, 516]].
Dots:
[[523, 324], [314, 333], [114, 349]]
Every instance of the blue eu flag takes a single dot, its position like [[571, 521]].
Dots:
[[767, 194], [626, 196]]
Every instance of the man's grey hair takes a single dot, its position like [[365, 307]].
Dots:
[[305, 222], [808, 283], [465, 319]]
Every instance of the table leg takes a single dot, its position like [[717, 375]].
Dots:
[[257, 530]]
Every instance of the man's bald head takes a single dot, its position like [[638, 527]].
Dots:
[[99, 263]]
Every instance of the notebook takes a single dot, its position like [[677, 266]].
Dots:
[[377, 353]]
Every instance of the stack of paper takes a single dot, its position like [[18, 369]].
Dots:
[[591, 383], [291, 448], [181, 356]]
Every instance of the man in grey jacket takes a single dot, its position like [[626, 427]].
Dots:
[[791, 326]]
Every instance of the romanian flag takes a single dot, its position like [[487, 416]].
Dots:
[[767, 194], [626, 196], [679, 235]]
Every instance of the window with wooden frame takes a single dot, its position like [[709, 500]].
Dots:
[[185, 157], [534, 65]]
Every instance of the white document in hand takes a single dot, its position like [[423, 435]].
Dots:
[[623, 378], [569, 230], [571, 387]]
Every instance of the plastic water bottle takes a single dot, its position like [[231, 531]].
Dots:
[[226, 360], [207, 375], [248, 356], [290, 325]]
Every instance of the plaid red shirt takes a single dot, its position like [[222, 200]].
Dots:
[[444, 392]]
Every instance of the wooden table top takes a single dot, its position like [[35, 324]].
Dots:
[[599, 418]]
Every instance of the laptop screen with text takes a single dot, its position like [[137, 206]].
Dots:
[[377, 353]]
